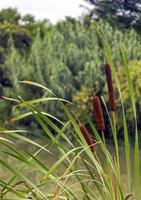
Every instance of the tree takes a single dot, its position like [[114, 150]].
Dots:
[[10, 15], [28, 19], [121, 12], [21, 36]]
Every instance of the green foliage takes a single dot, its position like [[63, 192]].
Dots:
[[55, 61], [28, 19], [82, 99], [85, 174], [66, 57], [135, 73], [10, 15], [121, 13], [20, 35], [83, 102]]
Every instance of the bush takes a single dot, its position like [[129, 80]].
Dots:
[[135, 72]]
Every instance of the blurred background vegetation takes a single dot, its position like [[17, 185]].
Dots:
[[67, 57]]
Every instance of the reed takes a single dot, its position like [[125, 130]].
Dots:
[[87, 136], [97, 109], [111, 93]]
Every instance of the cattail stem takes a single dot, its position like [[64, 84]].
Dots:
[[111, 94], [115, 186], [116, 142], [103, 138]]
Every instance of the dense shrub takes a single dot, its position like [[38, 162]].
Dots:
[[135, 72]]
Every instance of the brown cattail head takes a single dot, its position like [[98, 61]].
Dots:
[[87, 136], [98, 113], [111, 94]]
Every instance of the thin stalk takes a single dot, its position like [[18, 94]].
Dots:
[[116, 142]]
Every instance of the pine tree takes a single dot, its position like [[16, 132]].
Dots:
[[123, 12]]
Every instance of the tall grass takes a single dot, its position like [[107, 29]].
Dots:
[[89, 171]]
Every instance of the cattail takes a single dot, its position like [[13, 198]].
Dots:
[[87, 137], [110, 87], [98, 113]]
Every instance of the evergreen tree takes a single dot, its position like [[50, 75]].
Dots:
[[123, 12], [10, 15]]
